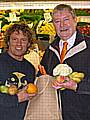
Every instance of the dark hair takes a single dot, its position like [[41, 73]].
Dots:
[[16, 27], [61, 7]]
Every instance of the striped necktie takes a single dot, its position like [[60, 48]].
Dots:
[[63, 53]]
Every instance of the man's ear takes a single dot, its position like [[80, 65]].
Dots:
[[76, 20]]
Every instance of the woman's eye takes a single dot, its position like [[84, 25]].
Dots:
[[24, 40], [14, 39]]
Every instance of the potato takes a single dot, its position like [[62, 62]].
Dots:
[[12, 90]]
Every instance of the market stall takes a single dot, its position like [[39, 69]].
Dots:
[[37, 14], [38, 17]]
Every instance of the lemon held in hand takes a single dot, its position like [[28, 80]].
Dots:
[[31, 88]]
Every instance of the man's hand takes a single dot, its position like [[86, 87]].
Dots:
[[69, 84]]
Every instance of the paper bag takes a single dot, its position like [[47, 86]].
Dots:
[[45, 105]]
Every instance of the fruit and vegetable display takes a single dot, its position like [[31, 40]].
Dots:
[[12, 89], [63, 73], [46, 28], [35, 18], [39, 20], [84, 28], [82, 12]]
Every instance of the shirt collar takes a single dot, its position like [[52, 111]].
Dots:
[[70, 41]]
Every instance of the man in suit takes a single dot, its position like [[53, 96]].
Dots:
[[75, 105]]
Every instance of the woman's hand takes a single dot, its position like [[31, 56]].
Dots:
[[24, 96]]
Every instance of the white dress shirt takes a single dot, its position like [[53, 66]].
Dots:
[[70, 41]]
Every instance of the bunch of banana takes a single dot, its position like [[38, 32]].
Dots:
[[47, 28], [76, 76], [5, 27], [48, 10]]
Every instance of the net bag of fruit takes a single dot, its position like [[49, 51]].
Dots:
[[45, 105]]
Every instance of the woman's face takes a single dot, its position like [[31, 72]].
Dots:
[[64, 23], [18, 45]]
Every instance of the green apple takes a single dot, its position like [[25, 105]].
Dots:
[[3, 89]]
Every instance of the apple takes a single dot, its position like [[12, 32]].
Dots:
[[60, 79]]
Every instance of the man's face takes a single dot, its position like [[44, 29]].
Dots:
[[64, 23], [18, 45]]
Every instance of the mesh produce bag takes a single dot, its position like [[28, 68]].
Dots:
[[45, 105]]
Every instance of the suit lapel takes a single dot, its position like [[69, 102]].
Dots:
[[76, 49], [55, 47]]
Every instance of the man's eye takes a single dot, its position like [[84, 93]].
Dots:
[[66, 19], [56, 21]]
